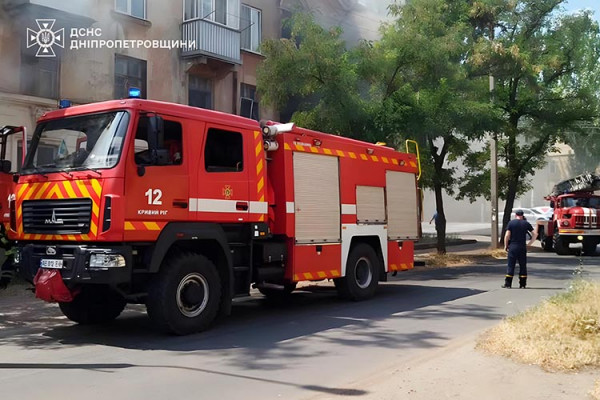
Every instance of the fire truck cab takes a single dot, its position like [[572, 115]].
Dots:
[[184, 209]]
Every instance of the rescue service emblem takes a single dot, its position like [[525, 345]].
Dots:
[[227, 192]]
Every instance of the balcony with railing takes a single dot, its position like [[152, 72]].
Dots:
[[211, 39]]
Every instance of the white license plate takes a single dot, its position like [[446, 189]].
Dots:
[[51, 263]]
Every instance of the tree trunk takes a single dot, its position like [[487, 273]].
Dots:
[[511, 194], [440, 223], [438, 166]]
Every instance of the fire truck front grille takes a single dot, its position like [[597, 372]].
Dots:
[[586, 221], [69, 216]]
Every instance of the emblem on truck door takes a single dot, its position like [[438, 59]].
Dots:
[[54, 220], [227, 192]]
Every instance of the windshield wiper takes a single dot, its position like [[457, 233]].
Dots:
[[37, 170]]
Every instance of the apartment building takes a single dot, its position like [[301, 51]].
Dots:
[[198, 52], [203, 53]]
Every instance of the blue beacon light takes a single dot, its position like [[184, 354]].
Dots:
[[135, 93], [64, 103]]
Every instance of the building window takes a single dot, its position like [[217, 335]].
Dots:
[[39, 76], [251, 28], [225, 12], [129, 72], [135, 8], [224, 151], [248, 102], [200, 92]]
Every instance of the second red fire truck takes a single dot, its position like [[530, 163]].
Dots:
[[183, 209]]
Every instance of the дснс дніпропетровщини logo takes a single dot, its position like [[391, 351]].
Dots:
[[45, 38]]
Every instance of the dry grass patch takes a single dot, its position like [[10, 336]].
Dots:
[[456, 259], [595, 393], [562, 333], [446, 260]]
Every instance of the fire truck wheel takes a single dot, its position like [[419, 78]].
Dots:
[[547, 243], [185, 295], [561, 246], [95, 304], [362, 274], [589, 248]]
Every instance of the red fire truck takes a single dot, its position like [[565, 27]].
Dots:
[[6, 188], [183, 209], [576, 216]]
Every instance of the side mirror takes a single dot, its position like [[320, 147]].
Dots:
[[156, 136], [5, 166]]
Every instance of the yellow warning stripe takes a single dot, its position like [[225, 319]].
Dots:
[[309, 276], [260, 171], [401, 267], [340, 153]]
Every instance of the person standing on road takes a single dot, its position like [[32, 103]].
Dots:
[[515, 243]]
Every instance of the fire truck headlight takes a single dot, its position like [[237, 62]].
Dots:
[[580, 238], [105, 261], [565, 223]]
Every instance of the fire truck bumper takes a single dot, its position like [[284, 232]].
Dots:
[[580, 232], [77, 264]]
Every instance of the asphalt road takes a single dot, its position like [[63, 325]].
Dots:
[[313, 346]]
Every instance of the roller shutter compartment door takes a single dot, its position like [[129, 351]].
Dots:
[[316, 198], [370, 205], [402, 206]]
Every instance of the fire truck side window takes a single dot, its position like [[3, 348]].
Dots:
[[223, 151], [172, 142]]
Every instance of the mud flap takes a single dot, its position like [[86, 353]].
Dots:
[[400, 256], [50, 287]]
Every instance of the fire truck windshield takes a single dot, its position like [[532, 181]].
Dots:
[[590, 202], [91, 141]]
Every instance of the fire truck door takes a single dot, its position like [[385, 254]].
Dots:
[[156, 193], [222, 194]]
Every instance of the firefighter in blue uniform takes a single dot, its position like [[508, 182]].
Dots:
[[515, 242]]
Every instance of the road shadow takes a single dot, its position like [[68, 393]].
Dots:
[[113, 367], [265, 332]]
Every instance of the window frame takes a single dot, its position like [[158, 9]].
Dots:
[[215, 131], [251, 27], [248, 92], [230, 16], [178, 136], [144, 77], [211, 90], [129, 9], [31, 68]]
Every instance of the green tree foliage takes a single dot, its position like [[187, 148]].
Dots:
[[313, 68], [427, 79], [419, 74], [543, 63]]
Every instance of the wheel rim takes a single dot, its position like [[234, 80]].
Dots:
[[192, 295], [363, 273]]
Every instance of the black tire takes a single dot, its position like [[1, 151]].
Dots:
[[589, 248], [362, 274], [561, 245], [185, 295], [278, 293], [545, 241], [547, 244], [95, 304]]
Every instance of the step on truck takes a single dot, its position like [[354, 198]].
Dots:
[[183, 209], [575, 219]]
